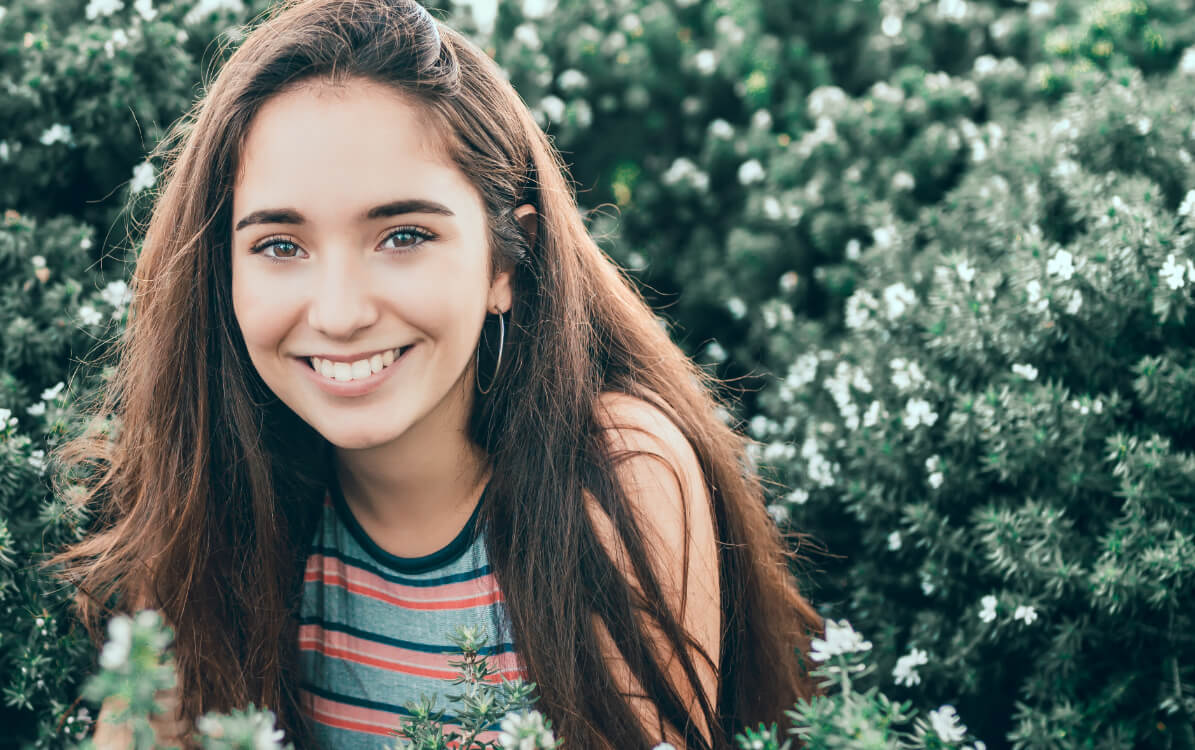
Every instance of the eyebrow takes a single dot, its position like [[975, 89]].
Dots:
[[393, 208]]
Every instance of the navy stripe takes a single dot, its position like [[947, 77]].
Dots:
[[364, 702], [426, 648], [394, 578]]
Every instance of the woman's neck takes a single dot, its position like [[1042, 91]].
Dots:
[[413, 494]]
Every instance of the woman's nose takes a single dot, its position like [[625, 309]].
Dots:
[[343, 301]]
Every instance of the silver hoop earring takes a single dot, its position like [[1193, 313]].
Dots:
[[498, 364]]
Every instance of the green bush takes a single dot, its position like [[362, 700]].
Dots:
[[1002, 434]]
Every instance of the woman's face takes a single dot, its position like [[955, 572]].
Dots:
[[353, 241]]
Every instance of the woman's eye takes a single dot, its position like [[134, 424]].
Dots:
[[282, 249], [407, 233], [406, 240]]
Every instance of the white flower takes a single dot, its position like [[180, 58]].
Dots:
[[965, 271], [987, 611], [526, 35], [985, 64], [1187, 65], [265, 736], [918, 412], [897, 299], [798, 496], [772, 208], [572, 80], [1172, 273], [51, 393], [891, 25], [664, 746], [5, 417], [802, 372], [884, 237], [89, 315], [1060, 265], [824, 98], [872, 417], [854, 249], [203, 9], [946, 723], [859, 307], [116, 293], [538, 8], [1034, 290], [840, 638], [1075, 303], [905, 671], [36, 410], [120, 641], [894, 541], [37, 459], [1040, 9], [737, 308], [936, 479], [1026, 613], [1065, 168], [902, 180], [1144, 125], [56, 133], [145, 8], [720, 128], [778, 512], [553, 107], [1036, 299], [751, 171], [1188, 204], [706, 61], [524, 731], [761, 119], [716, 351], [1029, 372], [954, 10], [681, 168], [143, 177], [905, 374], [97, 8]]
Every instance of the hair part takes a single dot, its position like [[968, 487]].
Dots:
[[210, 475]]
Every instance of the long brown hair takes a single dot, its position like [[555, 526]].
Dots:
[[208, 476]]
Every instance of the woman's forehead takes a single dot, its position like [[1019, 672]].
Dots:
[[334, 149]]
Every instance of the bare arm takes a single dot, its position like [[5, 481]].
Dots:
[[665, 488], [170, 730]]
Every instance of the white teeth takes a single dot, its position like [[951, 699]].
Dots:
[[362, 368]]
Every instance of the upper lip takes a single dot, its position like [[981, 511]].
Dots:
[[354, 357]]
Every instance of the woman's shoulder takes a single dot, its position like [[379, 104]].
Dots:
[[655, 462], [641, 421]]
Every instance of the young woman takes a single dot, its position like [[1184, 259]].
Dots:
[[377, 379]]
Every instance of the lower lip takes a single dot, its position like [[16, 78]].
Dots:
[[353, 387]]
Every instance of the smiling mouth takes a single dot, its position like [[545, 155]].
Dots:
[[362, 369]]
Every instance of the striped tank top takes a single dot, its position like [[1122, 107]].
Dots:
[[373, 628]]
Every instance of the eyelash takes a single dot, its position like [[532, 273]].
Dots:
[[272, 241]]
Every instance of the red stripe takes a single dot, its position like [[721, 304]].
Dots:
[[395, 658], [319, 564], [367, 720], [331, 578]]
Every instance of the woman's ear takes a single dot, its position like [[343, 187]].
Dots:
[[527, 217]]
